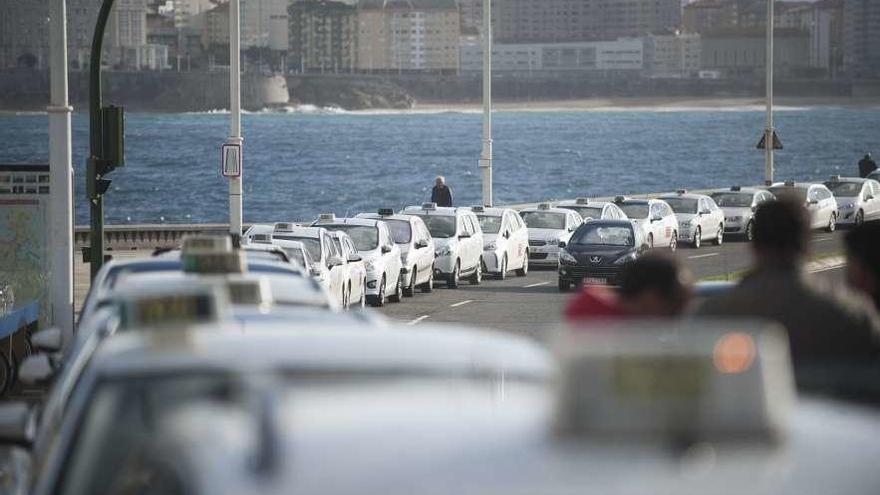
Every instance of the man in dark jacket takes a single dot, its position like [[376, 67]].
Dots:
[[441, 194], [867, 165]]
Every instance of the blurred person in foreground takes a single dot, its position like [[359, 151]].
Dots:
[[867, 165], [441, 194], [830, 337], [653, 286], [863, 261]]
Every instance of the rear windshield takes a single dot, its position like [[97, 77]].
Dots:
[[789, 192], [490, 224], [732, 199], [440, 226], [401, 231], [312, 245], [845, 189], [543, 220], [683, 205], [636, 210], [594, 212], [365, 238]]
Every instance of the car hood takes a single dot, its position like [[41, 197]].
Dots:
[[404, 250], [487, 238], [441, 242], [607, 255], [842, 200], [546, 234], [684, 218]]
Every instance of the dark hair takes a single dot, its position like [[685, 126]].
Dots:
[[653, 272], [782, 225], [863, 243]]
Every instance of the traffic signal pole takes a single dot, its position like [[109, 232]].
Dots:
[[235, 188], [768, 127], [486, 153]]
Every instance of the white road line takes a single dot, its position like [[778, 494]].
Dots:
[[821, 239], [460, 303], [535, 285], [418, 320], [709, 255]]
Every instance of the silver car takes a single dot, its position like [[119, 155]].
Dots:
[[739, 205]]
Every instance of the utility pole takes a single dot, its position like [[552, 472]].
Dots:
[[769, 132], [61, 176], [486, 154], [235, 189]]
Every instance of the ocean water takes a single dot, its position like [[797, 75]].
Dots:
[[304, 161]]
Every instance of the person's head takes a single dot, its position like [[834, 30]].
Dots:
[[867, 156], [655, 285], [863, 260], [781, 231], [440, 181]]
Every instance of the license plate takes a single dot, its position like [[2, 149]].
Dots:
[[595, 281]]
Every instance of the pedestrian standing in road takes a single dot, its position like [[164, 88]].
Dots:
[[441, 194], [867, 165], [654, 286], [863, 261]]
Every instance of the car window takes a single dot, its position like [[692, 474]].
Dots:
[[365, 237], [475, 225], [875, 188], [491, 224], [337, 246], [401, 230], [684, 205], [312, 244], [844, 189], [825, 193], [733, 199], [544, 220]]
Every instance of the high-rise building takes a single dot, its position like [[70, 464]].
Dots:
[[323, 35], [703, 16], [861, 50], [674, 55], [408, 35], [264, 24], [623, 55], [24, 33], [742, 52]]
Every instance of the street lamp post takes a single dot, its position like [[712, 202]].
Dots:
[[235, 188], [769, 132], [486, 153]]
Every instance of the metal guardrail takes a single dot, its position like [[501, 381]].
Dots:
[[145, 236]]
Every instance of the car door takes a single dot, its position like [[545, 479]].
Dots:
[[571, 224], [337, 273], [475, 241], [670, 223], [391, 259], [425, 255], [519, 240], [872, 210], [357, 270], [827, 203], [657, 229]]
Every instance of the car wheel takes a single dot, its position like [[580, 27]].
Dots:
[[454, 280], [411, 290], [380, 298], [363, 303], [346, 297], [651, 241], [477, 277], [698, 238], [564, 285], [832, 224], [719, 239], [502, 275], [673, 243], [398, 291], [428, 286], [750, 231], [522, 272], [860, 218]]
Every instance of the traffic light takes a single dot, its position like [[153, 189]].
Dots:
[[112, 153]]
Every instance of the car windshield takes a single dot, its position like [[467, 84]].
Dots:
[[585, 212], [490, 224], [401, 231], [365, 237], [797, 193], [338, 244], [845, 189], [683, 205], [312, 245], [543, 220], [440, 226], [296, 256], [590, 234], [732, 199], [635, 210]]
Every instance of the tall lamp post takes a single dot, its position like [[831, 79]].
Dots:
[[235, 139], [486, 153], [769, 132]]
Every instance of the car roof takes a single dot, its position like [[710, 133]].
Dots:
[[363, 222], [742, 190], [170, 261], [685, 196], [609, 223], [849, 179], [447, 211], [297, 231], [552, 209], [797, 185], [494, 212], [592, 203], [396, 216]]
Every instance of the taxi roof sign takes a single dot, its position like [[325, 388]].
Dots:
[[327, 217], [544, 206], [183, 305], [701, 380], [478, 209], [681, 192], [429, 206], [284, 227], [789, 183], [834, 178], [214, 263], [386, 212], [582, 201], [736, 188], [207, 243], [250, 292], [619, 199], [261, 238]]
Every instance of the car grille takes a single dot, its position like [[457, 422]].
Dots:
[[537, 256], [595, 272], [537, 243]]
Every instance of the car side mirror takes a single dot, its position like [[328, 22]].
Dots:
[[335, 261], [386, 249], [507, 235], [18, 423], [464, 235], [48, 340], [868, 197], [562, 244], [421, 244], [813, 202], [656, 219], [354, 258], [36, 369]]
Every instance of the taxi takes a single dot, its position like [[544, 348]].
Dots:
[[458, 240], [547, 227], [256, 229], [858, 200], [505, 241], [357, 269], [739, 205], [328, 266], [295, 251], [699, 218], [817, 198], [417, 250], [591, 209], [380, 254], [598, 252], [656, 219]]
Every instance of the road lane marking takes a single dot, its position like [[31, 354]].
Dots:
[[821, 239], [703, 256], [535, 285], [418, 320], [460, 303]]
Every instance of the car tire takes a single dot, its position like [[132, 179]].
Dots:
[[697, 241], [832, 224], [750, 231], [428, 286], [564, 285], [477, 277], [719, 239], [454, 280], [673, 243], [502, 273], [522, 272], [363, 302], [380, 298], [411, 290], [650, 241], [859, 219], [398, 291]]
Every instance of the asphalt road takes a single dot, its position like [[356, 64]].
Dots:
[[531, 304]]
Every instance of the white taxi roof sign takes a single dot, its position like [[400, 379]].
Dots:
[[478, 208], [386, 212], [195, 304], [835, 178], [582, 201], [789, 183], [681, 192], [214, 263], [429, 206], [619, 199], [702, 380], [207, 243], [250, 292], [261, 238], [544, 206], [327, 217], [284, 227]]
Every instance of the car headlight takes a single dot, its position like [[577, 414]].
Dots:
[[490, 247], [566, 258], [444, 251], [553, 242], [626, 258]]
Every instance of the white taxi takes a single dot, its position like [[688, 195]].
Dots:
[[328, 266], [817, 198], [357, 269], [656, 219], [739, 205], [699, 218], [505, 241], [373, 241], [458, 240], [416, 245], [593, 210], [857, 199], [548, 227]]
